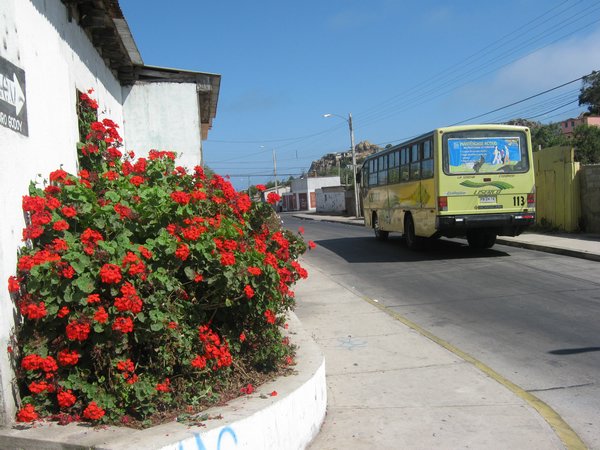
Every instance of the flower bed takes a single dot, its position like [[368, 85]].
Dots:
[[144, 288]]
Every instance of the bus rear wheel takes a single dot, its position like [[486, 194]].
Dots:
[[380, 235], [478, 239], [413, 242]]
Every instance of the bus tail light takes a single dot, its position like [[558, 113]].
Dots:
[[530, 200], [443, 203]]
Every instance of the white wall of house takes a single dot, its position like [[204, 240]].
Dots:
[[58, 59], [308, 186], [153, 123], [331, 201]]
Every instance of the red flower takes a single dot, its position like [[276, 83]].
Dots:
[[60, 176], [60, 225], [145, 252], [110, 274], [198, 278], [199, 362], [32, 362], [164, 387], [273, 198], [101, 316], [273, 394], [78, 331], [123, 324], [136, 180], [182, 252], [31, 204], [270, 316], [261, 187], [227, 259], [13, 284], [248, 389], [68, 211], [38, 388], [249, 291], [64, 311], [60, 245], [68, 357], [183, 198], [254, 271], [27, 414], [110, 175], [89, 239], [123, 211], [242, 337], [48, 364], [93, 412], [172, 325], [33, 311], [65, 399], [130, 301], [311, 244], [68, 272], [93, 298], [301, 230]]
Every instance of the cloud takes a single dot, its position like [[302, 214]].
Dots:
[[543, 69]]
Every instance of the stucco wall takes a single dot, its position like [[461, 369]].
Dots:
[[331, 202], [153, 123], [590, 198], [58, 59]]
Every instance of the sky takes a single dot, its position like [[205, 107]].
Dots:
[[400, 68]]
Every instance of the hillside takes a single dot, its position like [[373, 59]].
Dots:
[[333, 163]]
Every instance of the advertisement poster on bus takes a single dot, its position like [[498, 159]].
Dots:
[[489, 154]]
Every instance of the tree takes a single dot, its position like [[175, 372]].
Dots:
[[590, 92], [549, 135], [586, 140]]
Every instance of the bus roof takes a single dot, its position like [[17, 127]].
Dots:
[[449, 129]]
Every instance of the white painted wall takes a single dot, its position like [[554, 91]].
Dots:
[[333, 202], [58, 59], [163, 116]]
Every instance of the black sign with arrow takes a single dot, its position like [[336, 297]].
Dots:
[[13, 103]]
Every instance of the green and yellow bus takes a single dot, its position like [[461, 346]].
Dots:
[[473, 181]]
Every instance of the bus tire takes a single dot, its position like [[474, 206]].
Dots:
[[380, 235], [413, 242], [479, 239]]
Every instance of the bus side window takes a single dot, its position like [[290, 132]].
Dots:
[[427, 163], [382, 162], [404, 167], [393, 174], [372, 172], [415, 162]]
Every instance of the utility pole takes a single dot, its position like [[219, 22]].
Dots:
[[275, 171], [356, 203]]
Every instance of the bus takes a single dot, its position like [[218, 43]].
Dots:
[[473, 181]]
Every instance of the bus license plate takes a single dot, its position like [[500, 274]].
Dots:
[[488, 199]]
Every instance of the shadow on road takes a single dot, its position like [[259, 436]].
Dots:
[[368, 249]]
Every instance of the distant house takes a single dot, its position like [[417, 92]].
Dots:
[[567, 126], [303, 196], [51, 52]]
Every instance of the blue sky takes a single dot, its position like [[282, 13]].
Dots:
[[401, 68]]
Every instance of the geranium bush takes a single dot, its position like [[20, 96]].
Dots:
[[143, 287]]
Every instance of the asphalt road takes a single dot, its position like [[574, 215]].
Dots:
[[533, 317]]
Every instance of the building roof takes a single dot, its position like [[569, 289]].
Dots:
[[105, 25]]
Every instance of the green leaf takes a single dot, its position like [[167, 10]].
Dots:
[[156, 326], [85, 283], [190, 273]]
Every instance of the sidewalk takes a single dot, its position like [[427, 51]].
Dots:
[[391, 386], [580, 245]]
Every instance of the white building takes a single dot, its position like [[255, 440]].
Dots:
[[52, 50], [303, 196]]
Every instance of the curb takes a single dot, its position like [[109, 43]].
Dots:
[[290, 420]]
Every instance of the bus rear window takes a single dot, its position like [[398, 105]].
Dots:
[[485, 152]]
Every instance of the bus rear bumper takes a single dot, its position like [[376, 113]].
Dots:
[[508, 224]]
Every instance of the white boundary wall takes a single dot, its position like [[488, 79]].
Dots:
[[58, 59]]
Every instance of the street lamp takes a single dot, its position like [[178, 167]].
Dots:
[[349, 120]]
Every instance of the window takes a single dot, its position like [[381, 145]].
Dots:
[[382, 163], [372, 172], [427, 163], [415, 162]]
